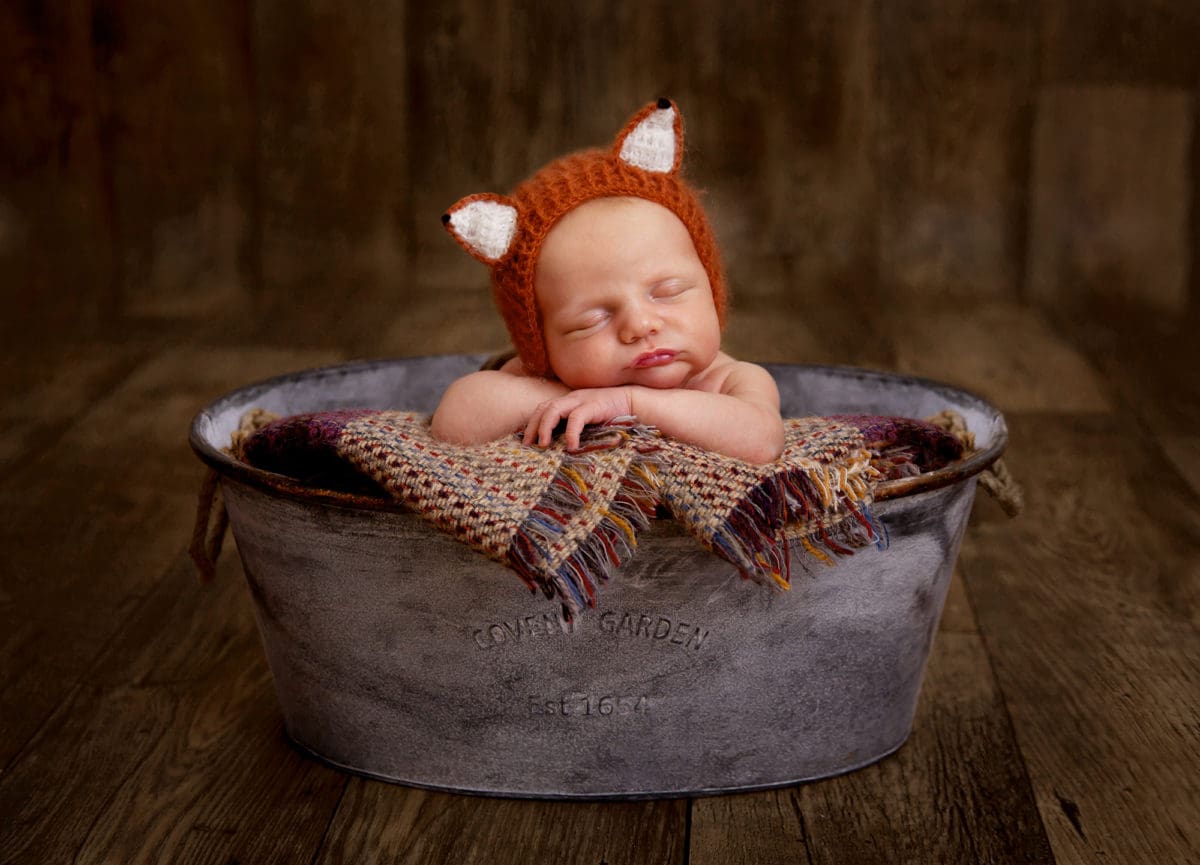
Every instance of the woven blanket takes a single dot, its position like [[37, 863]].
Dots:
[[563, 520]]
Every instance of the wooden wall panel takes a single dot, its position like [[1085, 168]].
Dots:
[[197, 158], [1127, 69], [462, 75], [57, 225], [1132, 42], [177, 83], [792, 169], [333, 146], [1112, 197], [955, 84]]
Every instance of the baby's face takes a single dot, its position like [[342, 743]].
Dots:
[[624, 297]]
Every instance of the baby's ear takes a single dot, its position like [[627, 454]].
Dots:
[[653, 139], [483, 224]]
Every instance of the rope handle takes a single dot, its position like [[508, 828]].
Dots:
[[212, 518], [996, 479]]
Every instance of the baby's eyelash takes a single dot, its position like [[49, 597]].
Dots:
[[589, 323], [671, 288]]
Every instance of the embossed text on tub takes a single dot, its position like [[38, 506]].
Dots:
[[533, 626], [582, 705], [659, 629]]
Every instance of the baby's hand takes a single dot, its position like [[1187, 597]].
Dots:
[[579, 408]]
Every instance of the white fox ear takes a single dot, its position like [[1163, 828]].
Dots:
[[484, 224], [653, 139]]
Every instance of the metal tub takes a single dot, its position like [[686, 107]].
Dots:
[[400, 654]]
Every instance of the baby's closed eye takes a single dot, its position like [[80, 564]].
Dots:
[[588, 322], [669, 288]]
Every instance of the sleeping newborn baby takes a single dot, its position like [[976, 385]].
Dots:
[[607, 274]]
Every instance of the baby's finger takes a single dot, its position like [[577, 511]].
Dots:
[[576, 421], [549, 420], [530, 430], [533, 427]]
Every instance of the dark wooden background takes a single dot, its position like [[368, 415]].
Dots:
[[205, 160], [200, 193]]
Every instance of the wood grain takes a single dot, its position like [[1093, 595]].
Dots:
[[173, 748], [1008, 354], [380, 822], [1102, 568], [113, 508], [45, 388], [1153, 385], [49, 641]]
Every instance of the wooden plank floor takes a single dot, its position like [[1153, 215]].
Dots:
[[1059, 721]]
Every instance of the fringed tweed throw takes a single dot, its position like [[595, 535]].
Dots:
[[564, 520]]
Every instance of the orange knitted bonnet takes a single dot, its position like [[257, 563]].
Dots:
[[506, 233]]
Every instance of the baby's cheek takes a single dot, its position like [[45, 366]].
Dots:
[[579, 366]]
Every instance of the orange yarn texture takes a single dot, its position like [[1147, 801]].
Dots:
[[543, 199]]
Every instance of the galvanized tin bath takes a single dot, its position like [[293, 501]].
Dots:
[[399, 654]]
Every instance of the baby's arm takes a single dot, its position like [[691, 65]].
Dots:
[[489, 404], [739, 418]]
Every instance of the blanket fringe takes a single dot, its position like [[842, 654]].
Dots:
[[825, 509], [599, 498], [609, 543]]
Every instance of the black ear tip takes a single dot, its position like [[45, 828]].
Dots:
[[664, 102], [445, 219]]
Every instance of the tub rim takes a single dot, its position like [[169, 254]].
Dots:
[[226, 466]]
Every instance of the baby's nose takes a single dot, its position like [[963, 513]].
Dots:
[[638, 323]]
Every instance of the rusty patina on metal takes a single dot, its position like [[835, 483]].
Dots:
[[399, 654]]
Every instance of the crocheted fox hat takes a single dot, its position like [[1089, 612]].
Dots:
[[506, 232]]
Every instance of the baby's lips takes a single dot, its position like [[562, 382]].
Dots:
[[657, 357]]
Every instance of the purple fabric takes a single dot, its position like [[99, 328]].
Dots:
[[304, 447], [905, 446]]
